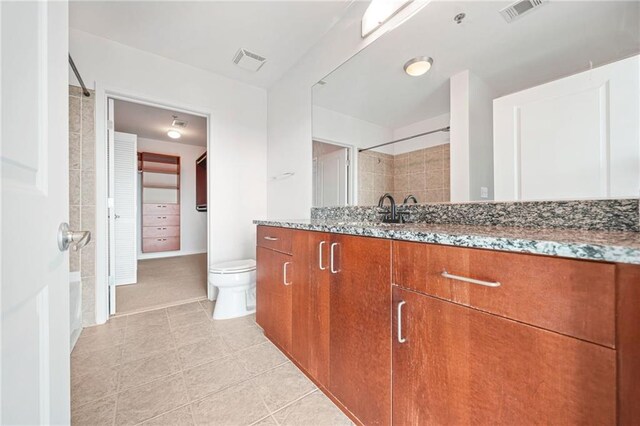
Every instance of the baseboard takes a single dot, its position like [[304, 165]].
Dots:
[[146, 256]]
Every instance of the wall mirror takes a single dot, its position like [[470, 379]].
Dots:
[[485, 100]]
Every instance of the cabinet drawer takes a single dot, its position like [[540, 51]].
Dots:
[[273, 238], [167, 208], [572, 297], [161, 219], [160, 244], [160, 231]]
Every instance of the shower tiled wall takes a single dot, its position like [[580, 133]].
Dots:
[[423, 173], [82, 193]]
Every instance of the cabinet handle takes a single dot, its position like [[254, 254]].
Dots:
[[400, 338], [445, 274], [333, 270], [322, 243], [284, 272], [271, 238]]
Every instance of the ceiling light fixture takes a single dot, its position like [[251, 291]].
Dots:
[[174, 134], [379, 12], [418, 66]]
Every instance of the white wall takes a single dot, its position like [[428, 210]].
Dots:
[[193, 224], [237, 133], [332, 126], [422, 126], [289, 122]]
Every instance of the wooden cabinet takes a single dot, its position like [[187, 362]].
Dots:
[[458, 365], [555, 342], [273, 296], [360, 311], [201, 183]]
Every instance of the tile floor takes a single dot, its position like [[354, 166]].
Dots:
[[176, 366], [164, 282]]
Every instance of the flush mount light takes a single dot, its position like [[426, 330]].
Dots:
[[418, 66], [174, 134], [379, 12]]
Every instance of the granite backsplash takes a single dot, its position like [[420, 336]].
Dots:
[[595, 215]]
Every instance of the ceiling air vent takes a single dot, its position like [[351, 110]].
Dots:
[[519, 8], [179, 123], [248, 60]]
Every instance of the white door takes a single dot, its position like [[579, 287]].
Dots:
[[577, 137], [331, 173], [125, 203], [110, 204], [34, 176]]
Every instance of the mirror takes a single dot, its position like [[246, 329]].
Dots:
[[533, 101]]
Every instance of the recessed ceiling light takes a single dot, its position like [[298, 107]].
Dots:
[[174, 134], [418, 66]]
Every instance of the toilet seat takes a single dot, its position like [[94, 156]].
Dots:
[[233, 267]]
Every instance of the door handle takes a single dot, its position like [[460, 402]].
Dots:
[[322, 243], [284, 273], [67, 237], [332, 259], [271, 238], [445, 274], [400, 338]]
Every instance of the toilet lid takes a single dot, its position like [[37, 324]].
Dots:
[[233, 267]]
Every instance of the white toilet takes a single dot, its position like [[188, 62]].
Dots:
[[236, 284]]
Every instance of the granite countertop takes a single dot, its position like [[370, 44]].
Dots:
[[614, 246]]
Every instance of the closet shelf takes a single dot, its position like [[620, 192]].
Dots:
[[159, 170], [159, 186]]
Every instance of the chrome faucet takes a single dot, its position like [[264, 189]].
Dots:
[[392, 216], [410, 197]]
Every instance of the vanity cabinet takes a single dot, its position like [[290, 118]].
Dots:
[[456, 365], [408, 333]]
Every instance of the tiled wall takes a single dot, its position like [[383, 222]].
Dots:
[[82, 193], [423, 173]]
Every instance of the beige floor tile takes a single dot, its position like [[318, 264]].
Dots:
[[114, 323], [192, 333], [314, 409], [208, 306], [232, 325], [96, 413], [184, 308], [202, 351], [144, 402], [267, 421], [213, 376], [90, 361], [244, 338], [259, 358], [146, 346], [157, 317], [98, 340], [180, 417], [133, 332], [237, 405], [189, 318], [145, 370], [282, 385], [93, 386]]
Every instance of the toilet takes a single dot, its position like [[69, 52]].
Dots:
[[236, 284]]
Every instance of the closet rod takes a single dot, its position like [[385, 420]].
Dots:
[[444, 129], [75, 71]]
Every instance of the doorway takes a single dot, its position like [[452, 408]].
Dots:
[[332, 174], [157, 199]]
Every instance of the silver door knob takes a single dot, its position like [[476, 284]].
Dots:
[[67, 237]]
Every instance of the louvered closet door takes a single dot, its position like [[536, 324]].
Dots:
[[125, 206]]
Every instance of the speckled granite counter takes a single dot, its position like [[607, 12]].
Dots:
[[622, 247]]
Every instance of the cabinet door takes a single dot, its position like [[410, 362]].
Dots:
[[462, 366], [273, 295], [360, 331], [310, 328]]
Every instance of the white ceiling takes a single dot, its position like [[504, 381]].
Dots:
[[558, 39], [153, 123], [207, 34]]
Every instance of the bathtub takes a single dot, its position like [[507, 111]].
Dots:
[[75, 307]]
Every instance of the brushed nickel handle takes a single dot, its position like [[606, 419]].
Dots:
[[400, 338], [284, 273], [322, 243], [333, 270], [271, 238], [67, 237], [445, 274]]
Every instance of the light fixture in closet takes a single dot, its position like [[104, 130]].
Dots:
[[174, 134]]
